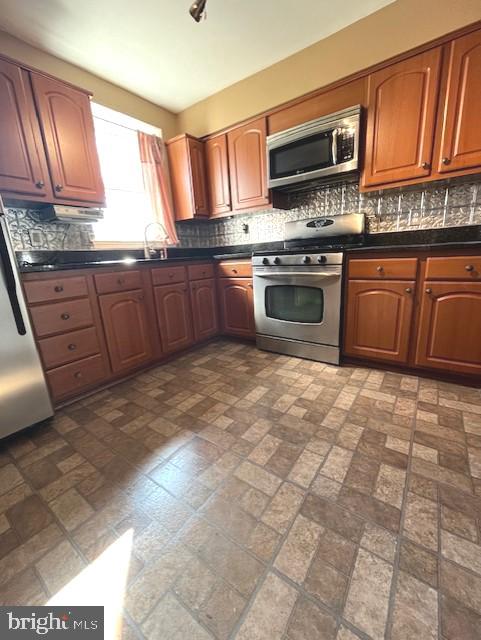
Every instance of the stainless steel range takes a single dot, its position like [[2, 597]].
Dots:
[[297, 291]]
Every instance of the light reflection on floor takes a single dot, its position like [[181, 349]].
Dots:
[[102, 583]]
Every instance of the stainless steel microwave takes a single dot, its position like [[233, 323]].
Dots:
[[315, 149]]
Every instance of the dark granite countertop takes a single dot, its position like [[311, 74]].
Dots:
[[468, 237]]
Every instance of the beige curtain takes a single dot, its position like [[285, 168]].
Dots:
[[156, 180]]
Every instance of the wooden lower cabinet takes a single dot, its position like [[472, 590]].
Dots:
[[126, 324], [236, 305], [174, 317], [449, 335], [378, 319], [204, 308]]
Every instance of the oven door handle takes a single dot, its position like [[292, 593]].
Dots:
[[323, 274]]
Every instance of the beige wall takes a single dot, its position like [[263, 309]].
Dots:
[[104, 92], [398, 27]]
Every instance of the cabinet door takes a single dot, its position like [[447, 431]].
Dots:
[[68, 130], [248, 165], [450, 327], [204, 308], [218, 175], [402, 100], [461, 132], [237, 307], [174, 317], [199, 182], [126, 325], [23, 165], [378, 319]]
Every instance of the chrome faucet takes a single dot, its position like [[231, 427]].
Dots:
[[149, 251]]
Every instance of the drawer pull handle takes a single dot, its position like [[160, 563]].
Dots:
[[58, 187], [446, 160], [429, 290], [171, 275], [379, 269], [72, 347], [426, 165], [40, 184], [408, 290], [469, 267], [65, 316], [120, 281], [58, 288], [78, 375], [234, 270]]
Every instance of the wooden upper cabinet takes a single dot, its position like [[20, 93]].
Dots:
[[450, 327], [218, 175], [204, 308], [126, 324], [248, 165], [378, 320], [188, 177], [402, 102], [460, 146], [23, 165], [68, 131]]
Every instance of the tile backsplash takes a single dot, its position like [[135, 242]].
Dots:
[[29, 234], [438, 205]]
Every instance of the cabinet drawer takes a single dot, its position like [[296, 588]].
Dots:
[[201, 271], [55, 289], [118, 281], [72, 378], [168, 275], [68, 347], [456, 268], [231, 269], [61, 317], [383, 268]]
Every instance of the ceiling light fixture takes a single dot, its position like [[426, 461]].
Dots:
[[197, 10]]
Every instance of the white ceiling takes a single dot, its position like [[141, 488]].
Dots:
[[156, 50]]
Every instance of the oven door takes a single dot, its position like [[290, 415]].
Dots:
[[301, 158], [299, 305]]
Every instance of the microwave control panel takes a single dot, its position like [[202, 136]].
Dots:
[[345, 145]]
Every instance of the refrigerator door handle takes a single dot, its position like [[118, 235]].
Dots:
[[8, 272]]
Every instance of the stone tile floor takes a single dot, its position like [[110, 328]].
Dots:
[[234, 493]]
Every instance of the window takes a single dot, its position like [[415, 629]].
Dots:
[[128, 208]]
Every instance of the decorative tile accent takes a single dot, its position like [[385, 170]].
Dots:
[[434, 206]]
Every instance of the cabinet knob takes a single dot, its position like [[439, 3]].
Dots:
[[408, 290], [250, 286], [379, 269], [171, 275], [58, 288], [140, 298], [446, 160], [426, 165], [65, 316], [58, 187], [234, 270], [72, 347], [40, 184], [429, 290], [469, 267], [78, 375], [120, 281]]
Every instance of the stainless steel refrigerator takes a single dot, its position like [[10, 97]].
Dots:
[[24, 398]]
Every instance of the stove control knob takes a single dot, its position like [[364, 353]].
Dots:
[[277, 260], [265, 260], [306, 260], [322, 259]]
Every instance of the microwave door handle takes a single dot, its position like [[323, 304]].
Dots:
[[334, 146]]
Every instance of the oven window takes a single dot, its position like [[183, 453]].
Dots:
[[301, 156], [293, 303]]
